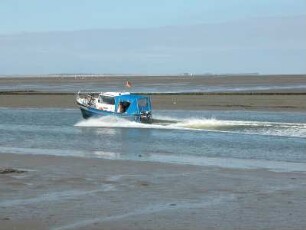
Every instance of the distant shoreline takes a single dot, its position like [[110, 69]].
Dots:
[[217, 83], [33, 92], [118, 76]]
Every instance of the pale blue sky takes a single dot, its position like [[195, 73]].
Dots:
[[152, 36], [53, 15]]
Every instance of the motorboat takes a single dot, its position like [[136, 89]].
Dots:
[[125, 105]]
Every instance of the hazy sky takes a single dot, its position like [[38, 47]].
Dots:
[[50, 15], [152, 36]]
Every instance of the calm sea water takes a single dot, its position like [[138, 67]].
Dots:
[[235, 139]]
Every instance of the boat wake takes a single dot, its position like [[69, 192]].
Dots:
[[204, 124]]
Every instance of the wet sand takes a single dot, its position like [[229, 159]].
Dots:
[[83, 193], [260, 101]]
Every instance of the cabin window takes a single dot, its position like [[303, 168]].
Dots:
[[123, 106], [108, 100], [142, 102]]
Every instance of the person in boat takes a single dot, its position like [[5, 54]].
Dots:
[[123, 106], [120, 108], [90, 100]]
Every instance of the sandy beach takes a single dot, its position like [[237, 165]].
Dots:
[[80, 193]]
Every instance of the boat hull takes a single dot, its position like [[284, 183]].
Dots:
[[88, 112]]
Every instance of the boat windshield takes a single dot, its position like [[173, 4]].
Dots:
[[108, 100]]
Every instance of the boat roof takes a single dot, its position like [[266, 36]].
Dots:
[[114, 94], [131, 97], [123, 95]]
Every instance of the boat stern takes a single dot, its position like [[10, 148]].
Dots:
[[146, 117]]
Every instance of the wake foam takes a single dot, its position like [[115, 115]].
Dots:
[[115, 122], [246, 127], [203, 124]]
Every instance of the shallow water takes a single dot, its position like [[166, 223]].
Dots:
[[272, 140], [175, 87]]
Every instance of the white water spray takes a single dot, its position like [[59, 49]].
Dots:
[[204, 124]]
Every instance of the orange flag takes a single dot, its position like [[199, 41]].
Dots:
[[128, 84]]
